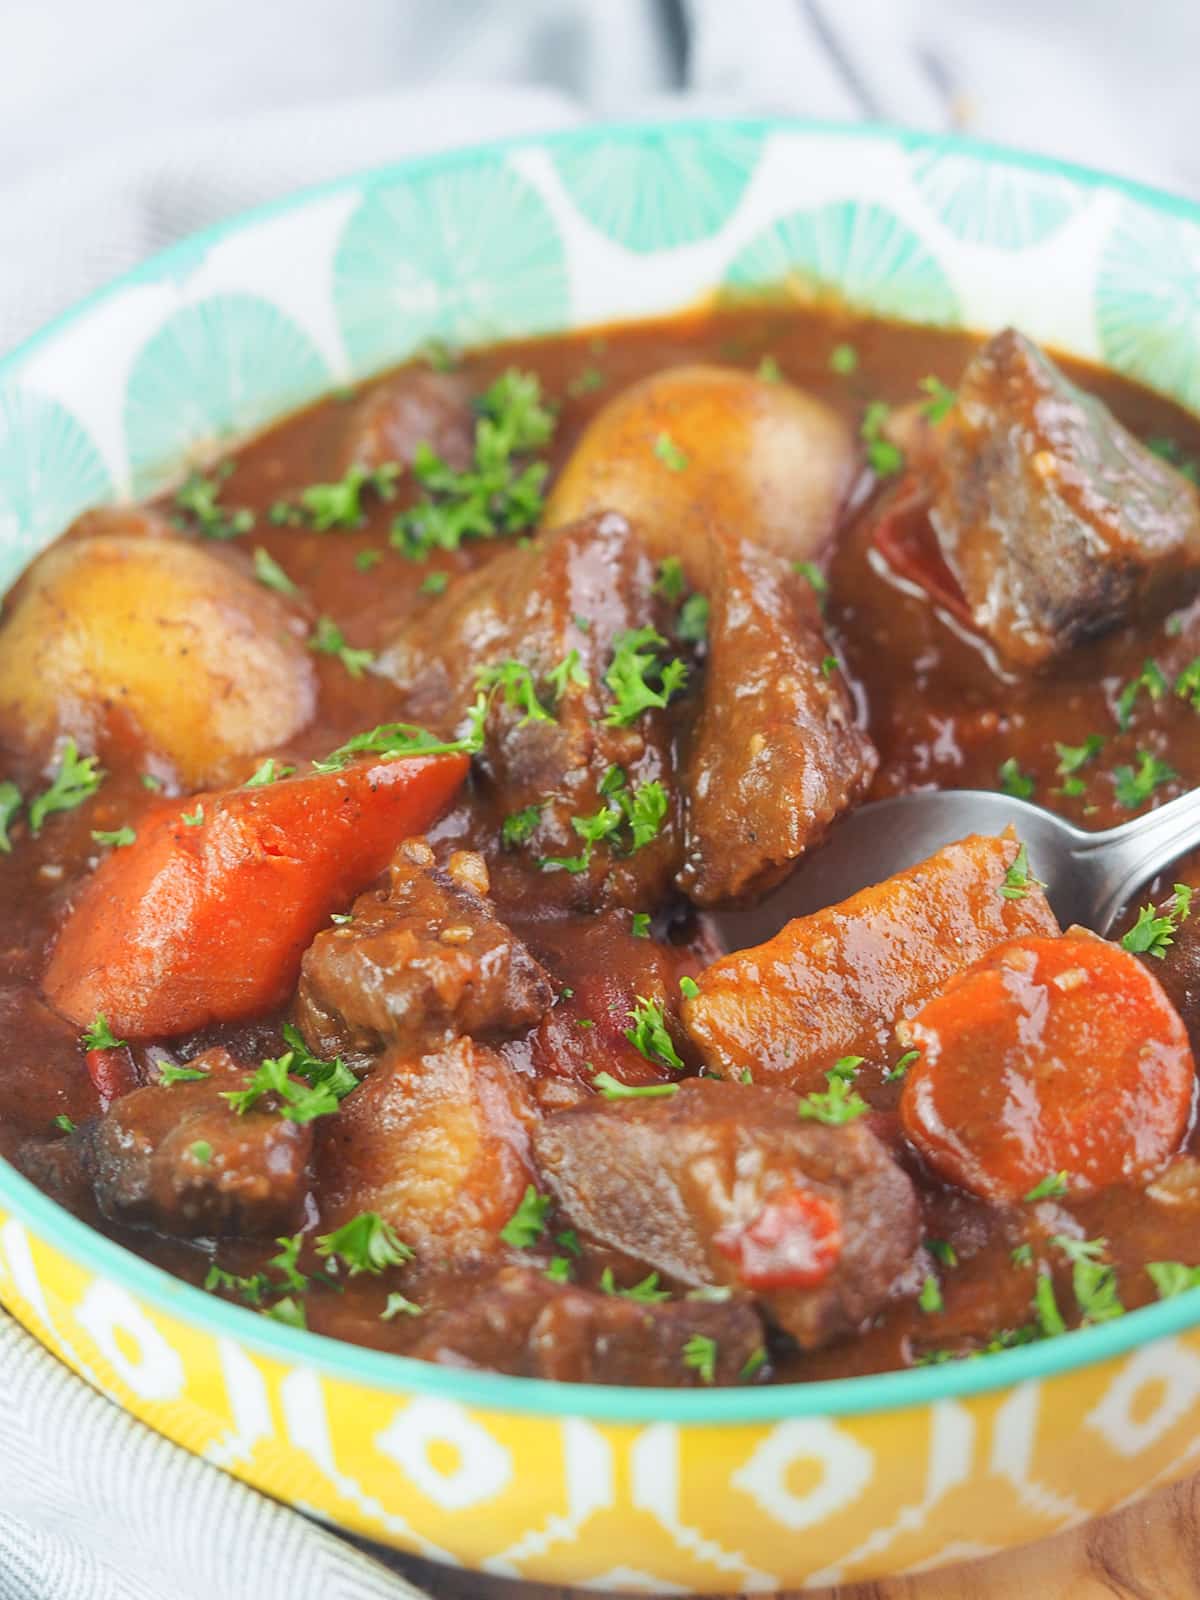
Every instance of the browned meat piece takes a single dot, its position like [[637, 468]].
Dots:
[[520, 1322], [561, 604], [1056, 522], [777, 754], [724, 1184], [437, 1145], [1178, 970], [423, 957], [836, 983], [180, 1160], [415, 407]]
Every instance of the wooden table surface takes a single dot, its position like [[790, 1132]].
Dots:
[[1150, 1551]]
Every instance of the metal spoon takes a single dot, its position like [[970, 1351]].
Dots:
[[1089, 877]]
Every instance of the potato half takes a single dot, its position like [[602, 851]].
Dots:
[[199, 658], [696, 447]]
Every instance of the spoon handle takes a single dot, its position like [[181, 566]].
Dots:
[[1119, 859]]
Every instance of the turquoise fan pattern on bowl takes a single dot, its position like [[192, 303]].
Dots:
[[467, 254], [861, 254], [994, 207], [658, 192], [49, 468], [214, 371], [1148, 302]]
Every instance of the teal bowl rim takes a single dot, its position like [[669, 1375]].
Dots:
[[402, 1375]]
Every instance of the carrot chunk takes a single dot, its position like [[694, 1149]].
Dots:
[[205, 917], [1049, 1056]]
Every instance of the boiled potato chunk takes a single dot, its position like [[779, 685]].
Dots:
[[698, 447], [200, 660]]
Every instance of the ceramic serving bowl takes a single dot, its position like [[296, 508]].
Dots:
[[647, 1489]]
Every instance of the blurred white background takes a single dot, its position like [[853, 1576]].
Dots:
[[126, 123]]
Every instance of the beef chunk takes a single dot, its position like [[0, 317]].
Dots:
[[518, 1321], [411, 408], [836, 983], [776, 754], [724, 1184], [437, 1145], [180, 1160], [1055, 521], [423, 957], [565, 599]]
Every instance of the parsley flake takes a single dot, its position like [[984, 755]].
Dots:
[[197, 504], [1172, 1277], [1133, 786], [638, 679], [170, 1073], [64, 1123], [118, 838], [613, 1089], [528, 1222], [268, 572], [1150, 679], [10, 804], [1153, 933], [650, 1036], [1052, 1187], [670, 454], [843, 360], [930, 1297], [327, 639], [367, 1243], [269, 772], [838, 1103], [1018, 880], [700, 1354], [939, 398], [399, 1305], [518, 826], [99, 1036], [1019, 785], [75, 780], [883, 456]]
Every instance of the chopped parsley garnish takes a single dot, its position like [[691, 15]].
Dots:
[[367, 1243], [1187, 684], [10, 804], [559, 1270], [1018, 880], [883, 457], [1153, 933], [501, 492], [829, 666], [670, 582], [939, 398], [943, 1250], [528, 1222], [1073, 757], [75, 780], [930, 1297], [390, 740], [198, 504], [327, 1084], [438, 355], [1021, 1255], [691, 625], [639, 679], [894, 1074], [268, 571], [1093, 1279], [514, 682], [753, 1364], [289, 1311], [366, 559], [435, 583], [1052, 1187], [569, 1240], [839, 1102], [768, 370], [1019, 785], [1172, 1277], [192, 819], [670, 454], [815, 578], [640, 925], [569, 670], [613, 1089], [843, 359], [116, 837], [1133, 786], [399, 1305], [269, 772], [151, 781], [285, 1263], [341, 918], [647, 1292], [200, 1150], [688, 987], [700, 1353], [1045, 1308], [99, 1036], [629, 818], [519, 826], [340, 505], [64, 1123], [650, 1035], [327, 639], [169, 1073], [1151, 679]]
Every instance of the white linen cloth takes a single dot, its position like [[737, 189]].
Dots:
[[125, 125]]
